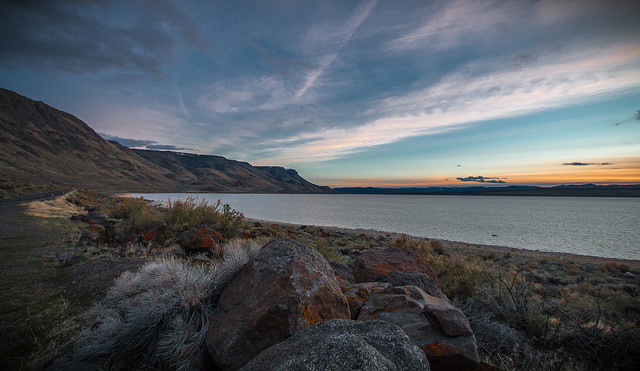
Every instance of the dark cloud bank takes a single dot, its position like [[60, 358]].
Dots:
[[587, 163], [65, 35], [481, 179], [146, 144]]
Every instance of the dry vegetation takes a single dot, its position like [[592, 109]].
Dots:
[[528, 310]]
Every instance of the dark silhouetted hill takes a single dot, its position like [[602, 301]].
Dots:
[[41, 145]]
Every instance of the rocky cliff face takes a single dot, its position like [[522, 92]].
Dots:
[[42, 145], [218, 174]]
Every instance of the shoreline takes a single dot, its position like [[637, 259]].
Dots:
[[472, 247], [556, 231]]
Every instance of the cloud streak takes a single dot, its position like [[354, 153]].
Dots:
[[361, 14], [462, 98], [587, 163], [481, 179]]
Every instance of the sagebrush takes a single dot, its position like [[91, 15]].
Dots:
[[159, 315], [138, 216]]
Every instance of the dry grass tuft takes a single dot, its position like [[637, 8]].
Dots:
[[159, 315], [59, 207]]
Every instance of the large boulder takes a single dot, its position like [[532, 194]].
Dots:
[[399, 267], [343, 345], [287, 287], [201, 239], [433, 324]]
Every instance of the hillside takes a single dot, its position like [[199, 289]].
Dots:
[[218, 174], [41, 146]]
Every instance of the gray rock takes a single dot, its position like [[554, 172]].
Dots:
[[399, 267], [433, 324], [358, 293], [418, 279], [343, 345]]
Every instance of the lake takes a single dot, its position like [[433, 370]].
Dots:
[[598, 226]]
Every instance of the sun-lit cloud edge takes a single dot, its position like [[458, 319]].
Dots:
[[626, 170], [461, 98]]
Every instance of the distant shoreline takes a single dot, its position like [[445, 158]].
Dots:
[[586, 190]]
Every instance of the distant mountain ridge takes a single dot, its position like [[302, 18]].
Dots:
[[580, 190], [42, 145]]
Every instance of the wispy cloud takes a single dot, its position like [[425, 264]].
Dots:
[[345, 34], [183, 108], [463, 97], [264, 92], [455, 22], [481, 179]]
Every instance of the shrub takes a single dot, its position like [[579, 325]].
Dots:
[[402, 241], [459, 275], [437, 247], [182, 215], [136, 214], [159, 315], [324, 248], [573, 270]]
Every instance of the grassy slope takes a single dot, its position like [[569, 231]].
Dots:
[[40, 297]]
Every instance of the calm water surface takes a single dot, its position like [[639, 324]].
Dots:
[[608, 227]]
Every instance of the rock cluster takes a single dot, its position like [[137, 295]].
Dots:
[[288, 309], [287, 287], [201, 239], [103, 230]]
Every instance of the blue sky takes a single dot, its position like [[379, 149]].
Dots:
[[348, 92]]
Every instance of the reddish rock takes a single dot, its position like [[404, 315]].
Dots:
[[343, 274], [155, 234], [373, 264], [358, 293], [399, 267], [434, 325], [247, 235], [287, 287], [201, 239], [97, 229]]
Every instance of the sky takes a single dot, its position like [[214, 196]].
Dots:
[[348, 93]]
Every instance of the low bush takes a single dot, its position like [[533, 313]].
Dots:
[[159, 315], [182, 215], [138, 216], [324, 248]]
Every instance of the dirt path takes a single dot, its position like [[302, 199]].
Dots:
[[41, 297]]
